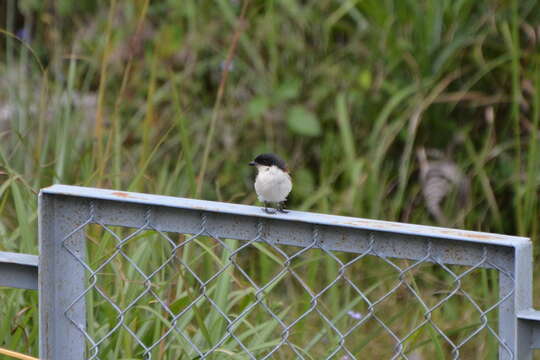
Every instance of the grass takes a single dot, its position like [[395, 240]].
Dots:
[[125, 95]]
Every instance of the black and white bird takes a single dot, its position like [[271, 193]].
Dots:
[[273, 182]]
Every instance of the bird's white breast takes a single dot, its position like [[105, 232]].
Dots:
[[272, 184]]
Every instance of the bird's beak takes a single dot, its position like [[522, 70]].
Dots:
[[252, 163]]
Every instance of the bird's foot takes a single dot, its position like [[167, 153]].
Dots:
[[267, 210], [281, 208]]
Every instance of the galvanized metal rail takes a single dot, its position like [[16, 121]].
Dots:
[[65, 278], [18, 270]]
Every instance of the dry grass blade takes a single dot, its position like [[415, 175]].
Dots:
[[16, 355]]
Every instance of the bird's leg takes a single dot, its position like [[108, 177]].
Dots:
[[281, 207], [266, 210]]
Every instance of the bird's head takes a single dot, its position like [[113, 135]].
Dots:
[[267, 161]]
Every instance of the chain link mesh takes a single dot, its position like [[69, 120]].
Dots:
[[157, 295]]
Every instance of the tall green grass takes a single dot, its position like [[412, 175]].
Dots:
[[344, 90]]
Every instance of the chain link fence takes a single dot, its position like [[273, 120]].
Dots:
[[162, 278]]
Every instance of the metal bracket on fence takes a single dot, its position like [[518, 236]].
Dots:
[[18, 270], [66, 278], [530, 322]]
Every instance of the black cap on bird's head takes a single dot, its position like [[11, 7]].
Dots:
[[269, 160]]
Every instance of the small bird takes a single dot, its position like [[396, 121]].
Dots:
[[273, 182]]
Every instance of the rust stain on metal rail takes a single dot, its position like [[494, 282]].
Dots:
[[470, 235], [125, 195], [370, 223]]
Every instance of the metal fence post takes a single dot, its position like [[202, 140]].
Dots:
[[61, 280], [523, 270], [514, 334]]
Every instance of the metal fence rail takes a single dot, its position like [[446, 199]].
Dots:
[[126, 275], [18, 270]]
